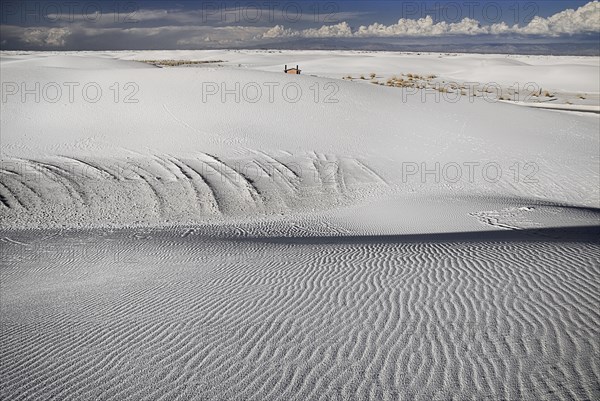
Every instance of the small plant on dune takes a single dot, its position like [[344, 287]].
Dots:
[[362, 77], [581, 97], [372, 75], [177, 63]]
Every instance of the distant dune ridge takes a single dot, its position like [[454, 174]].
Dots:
[[187, 229]]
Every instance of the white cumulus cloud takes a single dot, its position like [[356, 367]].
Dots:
[[583, 20], [52, 37]]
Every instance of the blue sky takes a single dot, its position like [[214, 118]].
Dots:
[[363, 11], [512, 12], [123, 24]]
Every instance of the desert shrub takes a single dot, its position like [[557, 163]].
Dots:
[[177, 63]]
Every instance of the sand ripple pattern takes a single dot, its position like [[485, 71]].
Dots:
[[169, 315]]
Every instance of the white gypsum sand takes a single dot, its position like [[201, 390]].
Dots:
[[226, 231]]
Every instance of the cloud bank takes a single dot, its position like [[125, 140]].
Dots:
[[585, 19], [175, 29]]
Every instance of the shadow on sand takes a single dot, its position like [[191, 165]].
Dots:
[[579, 234]]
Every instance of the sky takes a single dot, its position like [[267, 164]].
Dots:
[[138, 25]]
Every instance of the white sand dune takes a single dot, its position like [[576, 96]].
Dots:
[[371, 246], [176, 314], [178, 155]]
